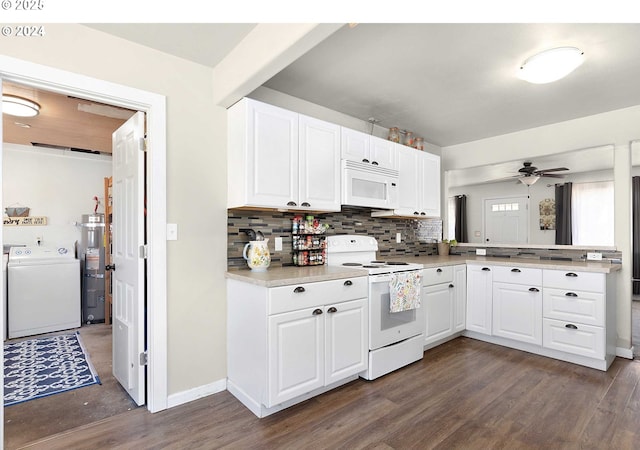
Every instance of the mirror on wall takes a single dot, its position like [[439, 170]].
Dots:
[[502, 209]]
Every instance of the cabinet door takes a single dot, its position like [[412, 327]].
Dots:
[[272, 155], [438, 309], [479, 298], [459, 297], [347, 344], [383, 152], [429, 177], [354, 145], [319, 170], [517, 312], [296, 354], [408, 185]]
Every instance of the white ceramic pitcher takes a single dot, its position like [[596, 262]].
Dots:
[[257, 255]]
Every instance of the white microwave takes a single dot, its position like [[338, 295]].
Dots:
[[365, 184]]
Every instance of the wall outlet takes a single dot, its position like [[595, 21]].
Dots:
[[278, 244], [481, 251], [398, 238], [594, 256]]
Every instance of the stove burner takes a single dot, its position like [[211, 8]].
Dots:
[[399, 263], [377, 262], [374, 267], [351, 264]]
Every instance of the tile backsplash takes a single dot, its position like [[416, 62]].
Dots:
[[418, 236]]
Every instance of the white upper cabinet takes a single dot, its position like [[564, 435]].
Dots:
[[419, 184], [362, 147], [281, 159], [319, 164]]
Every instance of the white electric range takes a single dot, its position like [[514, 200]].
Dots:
[[395, 338]]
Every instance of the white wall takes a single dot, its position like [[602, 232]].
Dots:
[[620, 128], [58, 184]]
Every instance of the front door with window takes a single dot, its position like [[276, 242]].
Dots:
[[506, 220]]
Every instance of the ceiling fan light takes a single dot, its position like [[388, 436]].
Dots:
[[18, 106], [529, 180], [551, 65]]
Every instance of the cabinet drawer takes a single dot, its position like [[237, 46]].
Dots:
[[574, 281], [517, 275], [437, 275], [585, 340], [574, 306], [308, 295]]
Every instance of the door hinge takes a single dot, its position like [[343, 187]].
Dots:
[[144, 251], [144, 358], [143, 144]]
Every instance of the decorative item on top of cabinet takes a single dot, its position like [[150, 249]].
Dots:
[[309, 241]]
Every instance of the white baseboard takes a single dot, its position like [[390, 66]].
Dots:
[[624, 352], [190, 395]]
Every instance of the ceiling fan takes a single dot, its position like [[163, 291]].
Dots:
[[529, 174]]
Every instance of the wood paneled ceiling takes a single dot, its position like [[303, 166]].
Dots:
[[63, 121]]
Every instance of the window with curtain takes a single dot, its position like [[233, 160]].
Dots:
[[592, 213]]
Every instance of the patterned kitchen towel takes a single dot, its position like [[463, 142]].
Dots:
[[404, 291]]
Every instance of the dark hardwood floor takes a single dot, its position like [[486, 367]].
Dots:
[[464, 394]]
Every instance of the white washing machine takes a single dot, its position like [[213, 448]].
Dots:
[[43, 290]]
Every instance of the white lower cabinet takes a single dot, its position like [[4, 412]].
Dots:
[[288, 343], [443, 300], [517, 312], [296, 354], [579, 314], [479, 298], [315, 347], [568, 315]]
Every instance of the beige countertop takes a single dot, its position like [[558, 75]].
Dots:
[[581, 266], [284, 276]]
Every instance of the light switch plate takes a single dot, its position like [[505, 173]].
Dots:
[[278, 244], [398, 238], [172, 232], [594, 256], [481, 251]]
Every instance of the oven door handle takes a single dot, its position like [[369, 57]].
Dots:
[[385, 278]]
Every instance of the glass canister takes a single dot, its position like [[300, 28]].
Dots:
[[419, 144], [394, 135], [408, 139]]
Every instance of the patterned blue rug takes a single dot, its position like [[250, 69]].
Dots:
[[45, 366]]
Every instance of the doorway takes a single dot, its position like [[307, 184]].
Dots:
[[506, 220], [34, 163], [154, 105]]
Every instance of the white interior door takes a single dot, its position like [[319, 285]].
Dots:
[[506, 220], [128, 276]]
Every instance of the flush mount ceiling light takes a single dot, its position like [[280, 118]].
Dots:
[[18, 106], [551, 65], [529, 180]]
